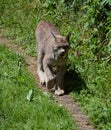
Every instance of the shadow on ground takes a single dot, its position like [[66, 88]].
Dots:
[[73, 82]]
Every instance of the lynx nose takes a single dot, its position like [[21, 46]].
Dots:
[[62, 52]]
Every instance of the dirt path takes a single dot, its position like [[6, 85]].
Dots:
[[82, 121]]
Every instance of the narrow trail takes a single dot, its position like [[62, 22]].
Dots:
[[82, 121]]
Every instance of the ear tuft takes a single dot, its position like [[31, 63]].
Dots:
[[68, 36]]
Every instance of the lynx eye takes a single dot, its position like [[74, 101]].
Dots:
[[64, 47], [55, 48], [59, 47]]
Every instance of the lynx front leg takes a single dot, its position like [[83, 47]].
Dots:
[[40, 71], [50, 79], [59, 80]]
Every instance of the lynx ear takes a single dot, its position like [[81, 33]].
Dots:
[[68, 36]]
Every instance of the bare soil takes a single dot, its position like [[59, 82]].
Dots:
[[82, 121]]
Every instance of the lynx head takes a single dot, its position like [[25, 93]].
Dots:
[[61, 44]]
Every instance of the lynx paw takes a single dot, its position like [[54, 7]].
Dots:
[[59, 92], [42, 77]]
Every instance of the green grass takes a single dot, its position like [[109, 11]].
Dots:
[[95, 99], [39, 112], [90, 55]]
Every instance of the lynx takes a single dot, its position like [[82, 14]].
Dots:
[[52, 51]]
